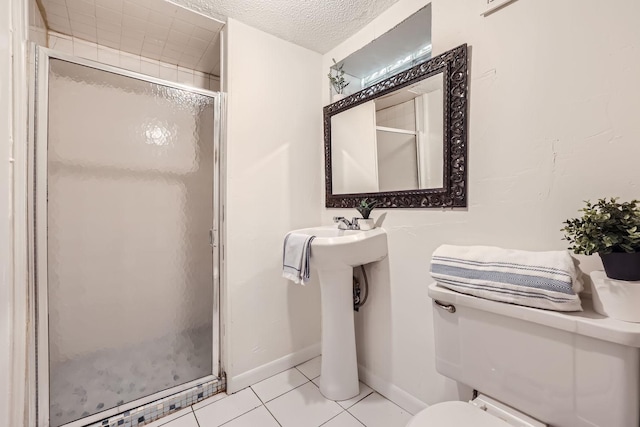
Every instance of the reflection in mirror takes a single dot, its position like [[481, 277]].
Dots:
[[392, 143], [353, 150], [400, 48], [402, 142]]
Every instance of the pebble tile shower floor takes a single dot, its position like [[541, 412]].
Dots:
[[127, 374], [289, 399]]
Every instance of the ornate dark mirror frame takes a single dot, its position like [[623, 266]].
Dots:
[[453, 64]]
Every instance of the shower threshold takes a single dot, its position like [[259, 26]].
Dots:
[[157, 409]]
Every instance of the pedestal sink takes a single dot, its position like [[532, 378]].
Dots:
[[334, 253]]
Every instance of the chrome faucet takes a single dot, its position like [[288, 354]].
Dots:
[[345, 224]]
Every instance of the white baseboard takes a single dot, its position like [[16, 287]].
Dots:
[[391, 392], [238, 382]]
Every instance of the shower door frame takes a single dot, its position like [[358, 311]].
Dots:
[[37, 207]]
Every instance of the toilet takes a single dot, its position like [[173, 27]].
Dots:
[[531, 367]]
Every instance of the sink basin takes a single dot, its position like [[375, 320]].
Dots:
[[333, 247], [334, 253]]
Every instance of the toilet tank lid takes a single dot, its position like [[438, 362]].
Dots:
[[587, 322], [455, 414]]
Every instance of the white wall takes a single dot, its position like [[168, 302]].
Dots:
[[13, 85], [432, 150], [273, 183], [6, 248], [353, 161], [554, 101]]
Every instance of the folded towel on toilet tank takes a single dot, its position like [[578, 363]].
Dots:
[[548, 280]]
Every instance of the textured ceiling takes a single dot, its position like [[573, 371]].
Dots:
[[319, 25]]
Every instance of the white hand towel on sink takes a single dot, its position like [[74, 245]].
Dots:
[[295, 257]]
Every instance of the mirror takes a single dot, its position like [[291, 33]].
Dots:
[[401, 141], [400, 48], [404, 130]]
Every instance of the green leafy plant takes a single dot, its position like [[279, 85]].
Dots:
[[606, 226], [365, 207], [338, 81]]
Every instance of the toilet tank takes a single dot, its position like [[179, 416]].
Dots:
[[564, 369]]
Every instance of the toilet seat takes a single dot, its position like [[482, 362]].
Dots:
[[455, 414]]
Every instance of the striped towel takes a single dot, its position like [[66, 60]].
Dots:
[[295, 257], [548, 280]]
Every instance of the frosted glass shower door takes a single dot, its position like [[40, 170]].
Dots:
[[129, 261]]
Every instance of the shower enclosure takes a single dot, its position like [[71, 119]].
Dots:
[[125, 210]]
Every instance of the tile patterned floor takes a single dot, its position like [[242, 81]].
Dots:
[[106, 378], [290, 399]]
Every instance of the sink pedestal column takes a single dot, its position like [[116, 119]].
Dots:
[[339, 371]]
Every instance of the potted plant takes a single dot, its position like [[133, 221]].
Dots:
[[612, 230], [365, 207], [338, 82]]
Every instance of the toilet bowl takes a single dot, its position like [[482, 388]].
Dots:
[[480, 412], [455, 414]]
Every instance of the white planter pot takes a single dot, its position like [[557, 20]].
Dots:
[[338, 96], [618, 299], [366, 224]]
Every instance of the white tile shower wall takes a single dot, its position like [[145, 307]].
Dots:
[[272, 185], [156, 29], [553, 121], [401, 116], [131, 62], [37, 27]]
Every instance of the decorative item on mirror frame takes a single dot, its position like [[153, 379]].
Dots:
[[612, 230], [338, 82], [365, 207]]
